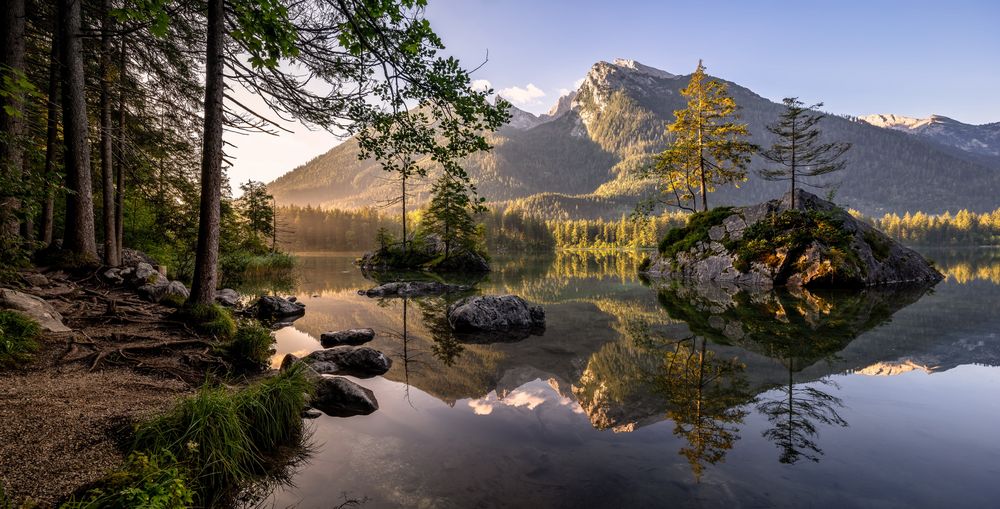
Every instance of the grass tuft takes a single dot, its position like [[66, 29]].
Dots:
[[18, 338], [251, 346], [205, 432], [272, 409], [678, 240]]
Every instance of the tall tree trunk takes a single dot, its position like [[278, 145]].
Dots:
[[207, 255], [120, 157], [11, 126], [51, 143], [107, 177], [78, 237]]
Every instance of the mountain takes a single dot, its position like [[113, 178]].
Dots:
[[579, 159], [981, 140]]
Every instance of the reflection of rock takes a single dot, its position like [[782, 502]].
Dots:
[[494, 313], [413, 289], [785, 323], [346, 337], [33, 307], [271, 307], [361, 361], [816, 244], [340, 397]]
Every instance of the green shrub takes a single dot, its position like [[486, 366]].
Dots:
[[204, 432], [151, 481], [678, 240], [18, 338], [251, 345], [792, 230], [211, 319]]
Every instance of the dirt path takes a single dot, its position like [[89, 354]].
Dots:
[[63, 416]]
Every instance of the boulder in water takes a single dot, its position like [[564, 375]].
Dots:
[[346, 337], [413, 289], [813, 244], [340, 397], [362, 362], [227, 297], [494, 313], [270, 307]]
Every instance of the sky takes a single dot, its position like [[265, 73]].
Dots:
[[913, 58]]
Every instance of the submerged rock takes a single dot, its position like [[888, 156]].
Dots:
[[413, 289], [33, 307], [814, 244], [311, 413], [362, 362], [346, 337], [340, 397], [271, 307], [494, 313]]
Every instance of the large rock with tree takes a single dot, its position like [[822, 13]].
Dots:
[[811, 244]]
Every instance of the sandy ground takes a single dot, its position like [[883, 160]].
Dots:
[[64, 416]]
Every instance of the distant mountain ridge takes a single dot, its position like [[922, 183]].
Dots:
[[579, 159]]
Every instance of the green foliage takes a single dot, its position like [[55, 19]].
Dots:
[[225, 439], [264, 30], [449, 215], [211, 319], [148, 480], [793, 231], [880, 245], [679, 240], [251, 346], [257, 209], [18, 338], [207, 434]]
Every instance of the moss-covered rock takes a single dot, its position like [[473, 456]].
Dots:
[[814, 244]]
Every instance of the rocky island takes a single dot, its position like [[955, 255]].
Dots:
[[813, 244]]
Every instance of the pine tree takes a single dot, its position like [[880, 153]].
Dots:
[[708, 148], [798, 153], [450, 214]]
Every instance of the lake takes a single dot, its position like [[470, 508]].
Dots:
[[641, 395]]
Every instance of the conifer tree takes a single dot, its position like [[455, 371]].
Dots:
[[450, 213], [708, 148], [798, 152]]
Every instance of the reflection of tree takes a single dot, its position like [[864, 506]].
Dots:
[[705, 398], [446, 347], [795, 416]]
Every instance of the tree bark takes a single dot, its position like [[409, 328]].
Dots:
[[51, 143], [11, 126], [120, 157], [78, 237], [107, 176], [207, 255]]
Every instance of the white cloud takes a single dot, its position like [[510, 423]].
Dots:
[[564, 92], [481, 406], [523, 96], [481, 85]]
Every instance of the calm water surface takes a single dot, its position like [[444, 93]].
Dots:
[[647, 396]]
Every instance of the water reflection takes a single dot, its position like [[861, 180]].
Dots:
[[649, 381]]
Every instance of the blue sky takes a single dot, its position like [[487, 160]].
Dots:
[[912, 58]]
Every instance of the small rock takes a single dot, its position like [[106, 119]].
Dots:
[[176, 288], [271, 307], [154, 291], [35, 279], [493, 313], [717, 232], [346, 337], [413, 288], [311, 413], [114, 276], [34, 307], [340, 397], [228, 297], [144, 273], [362, 362]]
